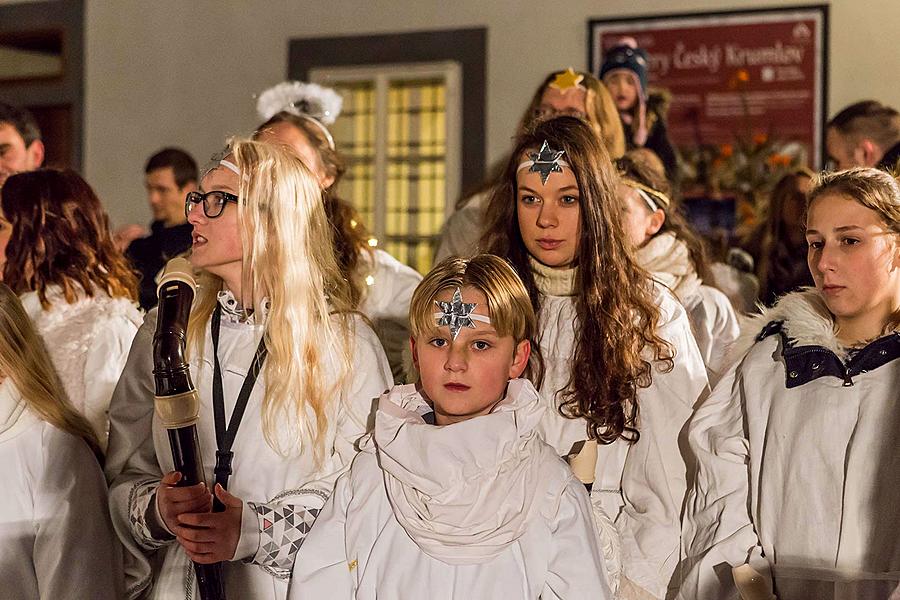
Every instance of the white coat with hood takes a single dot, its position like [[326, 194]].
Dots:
[[478, 509], [641, 486], [798, 463], [88, 342]]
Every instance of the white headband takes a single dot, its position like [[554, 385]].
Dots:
[[230, 166]]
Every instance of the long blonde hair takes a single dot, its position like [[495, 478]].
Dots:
[[24, 359], [288, 257]]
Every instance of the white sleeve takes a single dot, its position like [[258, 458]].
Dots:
[[718, 531], [462, 230], [576, 568], [388, 307], [321, 568], [103, 366], [76, 552], [654, 478], [723, 327], [132, 468]]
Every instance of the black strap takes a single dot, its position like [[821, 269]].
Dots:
[[225, 436]]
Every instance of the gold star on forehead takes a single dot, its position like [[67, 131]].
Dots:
[[567, 80]]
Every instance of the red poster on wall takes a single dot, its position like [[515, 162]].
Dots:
[[733, 77]]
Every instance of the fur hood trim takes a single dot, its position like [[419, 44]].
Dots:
[[806, 322]]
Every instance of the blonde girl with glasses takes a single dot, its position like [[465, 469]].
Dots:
[[269, 280]]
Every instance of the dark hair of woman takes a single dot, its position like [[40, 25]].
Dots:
[[616, 331]]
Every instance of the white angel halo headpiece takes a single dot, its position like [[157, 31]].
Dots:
[[320, 105]]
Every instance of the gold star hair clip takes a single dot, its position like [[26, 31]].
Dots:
[[567, 80]]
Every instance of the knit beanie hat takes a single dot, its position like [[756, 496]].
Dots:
[[628, 58]]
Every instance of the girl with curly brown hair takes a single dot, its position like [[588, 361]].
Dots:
[[74, 283], [621, 365]]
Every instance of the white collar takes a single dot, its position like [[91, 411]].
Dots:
[[232, 312]]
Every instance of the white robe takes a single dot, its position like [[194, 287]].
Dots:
[[271, 485], [478, 509], [640, 486], [715, 326], [56, 539], [88, 342], [800, 482], [389, 289]]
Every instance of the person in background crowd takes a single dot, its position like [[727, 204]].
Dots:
[[21, 149], [778, 243], [665, 245], [624, 71], [297, 114], [798, 463], [169, 175], [567, 92], [865, 134], [56, 539], [74, 283]]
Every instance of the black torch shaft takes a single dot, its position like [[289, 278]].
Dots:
[[174, 392]]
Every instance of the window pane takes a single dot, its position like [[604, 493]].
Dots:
[[416, 167], [354, 136]]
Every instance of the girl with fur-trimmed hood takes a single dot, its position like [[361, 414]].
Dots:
[[798, 461]]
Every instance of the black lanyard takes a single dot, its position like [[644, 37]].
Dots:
[[225, 436]]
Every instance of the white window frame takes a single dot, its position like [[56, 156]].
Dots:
[[382, 75]]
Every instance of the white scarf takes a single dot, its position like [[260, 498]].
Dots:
[[465, 492], [553, 282], [669, 261]]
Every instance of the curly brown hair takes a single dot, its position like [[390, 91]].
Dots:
[[60, 236], [351, 238], [614, 296]]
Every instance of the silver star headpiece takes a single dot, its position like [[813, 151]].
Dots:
[[545, 161], [457, 314]]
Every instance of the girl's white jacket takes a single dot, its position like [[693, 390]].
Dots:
[[641, 486], [389, 288], [281, 494], [478, 509], [56, 540], [798, 463], [88, 342]]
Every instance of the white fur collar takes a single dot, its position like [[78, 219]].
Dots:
[[807, 322]]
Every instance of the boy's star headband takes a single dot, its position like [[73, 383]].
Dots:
[[567, 80], [654, 198], [545, 161], [315, 103], [457, 314]]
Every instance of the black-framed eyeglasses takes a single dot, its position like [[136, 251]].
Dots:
[[213, 202]]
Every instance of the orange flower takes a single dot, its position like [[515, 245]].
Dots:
[[779, 160], [760, 138], [726, 150], [742, 75]]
